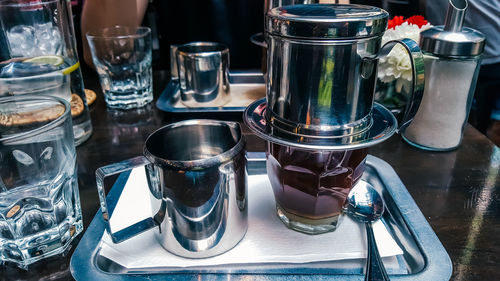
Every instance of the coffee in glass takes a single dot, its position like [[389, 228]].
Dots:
[[311, 186]]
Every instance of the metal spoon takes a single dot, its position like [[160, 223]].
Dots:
[[365, 205]]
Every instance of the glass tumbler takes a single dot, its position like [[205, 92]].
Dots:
[[311, 186], [41, 32], [122, 57], [40, 211]]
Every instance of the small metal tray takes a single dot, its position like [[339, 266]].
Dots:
[[245, 88], [424, 257]]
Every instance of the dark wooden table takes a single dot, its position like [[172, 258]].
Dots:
[[458, 191]]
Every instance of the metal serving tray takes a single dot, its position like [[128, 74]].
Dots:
[[245, 87], [424, 257]]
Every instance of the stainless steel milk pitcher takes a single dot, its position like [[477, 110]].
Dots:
[[197, 180], [322, 63]]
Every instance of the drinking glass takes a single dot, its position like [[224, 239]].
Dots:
[[41, 32], [311, 186], [122, 57], [39, 200]]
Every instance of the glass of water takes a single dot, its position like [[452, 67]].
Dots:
[[40, 211], [41, 32], [122, 57]]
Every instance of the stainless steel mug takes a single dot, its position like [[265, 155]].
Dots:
[[322, 66], [203, 69], [197, 178]]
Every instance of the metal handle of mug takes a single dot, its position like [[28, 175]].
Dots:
[[107, 207], [174, 74], [123, 169], [417, 67]]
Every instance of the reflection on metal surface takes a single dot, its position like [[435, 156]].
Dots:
[[366, 205], [382, 126], [485, 198]]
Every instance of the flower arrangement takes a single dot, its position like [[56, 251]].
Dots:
[[396, 67]]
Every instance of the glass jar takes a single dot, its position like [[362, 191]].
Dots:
[[442, 115], [452, 56]]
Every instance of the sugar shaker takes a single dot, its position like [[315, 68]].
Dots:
[[452, 55]]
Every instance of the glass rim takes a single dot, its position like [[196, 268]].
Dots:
[[202, 48], [44, 128], [191, 164], [99, 33], [13, 3]]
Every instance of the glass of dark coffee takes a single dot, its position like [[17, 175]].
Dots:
[[311, 186]]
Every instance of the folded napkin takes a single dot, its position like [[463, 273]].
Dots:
[[267, 240]]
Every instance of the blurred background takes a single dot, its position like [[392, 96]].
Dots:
[[224, 21]]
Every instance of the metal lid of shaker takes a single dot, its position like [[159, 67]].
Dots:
[[326, 21], [452, 39]]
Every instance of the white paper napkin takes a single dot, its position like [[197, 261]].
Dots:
[[267, 240]]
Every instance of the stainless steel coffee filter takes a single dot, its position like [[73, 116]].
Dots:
[[318, 83], [320, 21]]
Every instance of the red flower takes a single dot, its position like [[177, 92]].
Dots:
[[396, 20], [418, 20]]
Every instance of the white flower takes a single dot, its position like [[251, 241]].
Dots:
[[397, 64]]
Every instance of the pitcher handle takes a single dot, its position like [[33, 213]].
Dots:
[[107, 207], [418, 78], [174, 72]]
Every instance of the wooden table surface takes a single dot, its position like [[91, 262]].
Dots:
[[458, 192]]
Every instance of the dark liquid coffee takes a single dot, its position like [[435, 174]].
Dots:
[[313, 184]]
